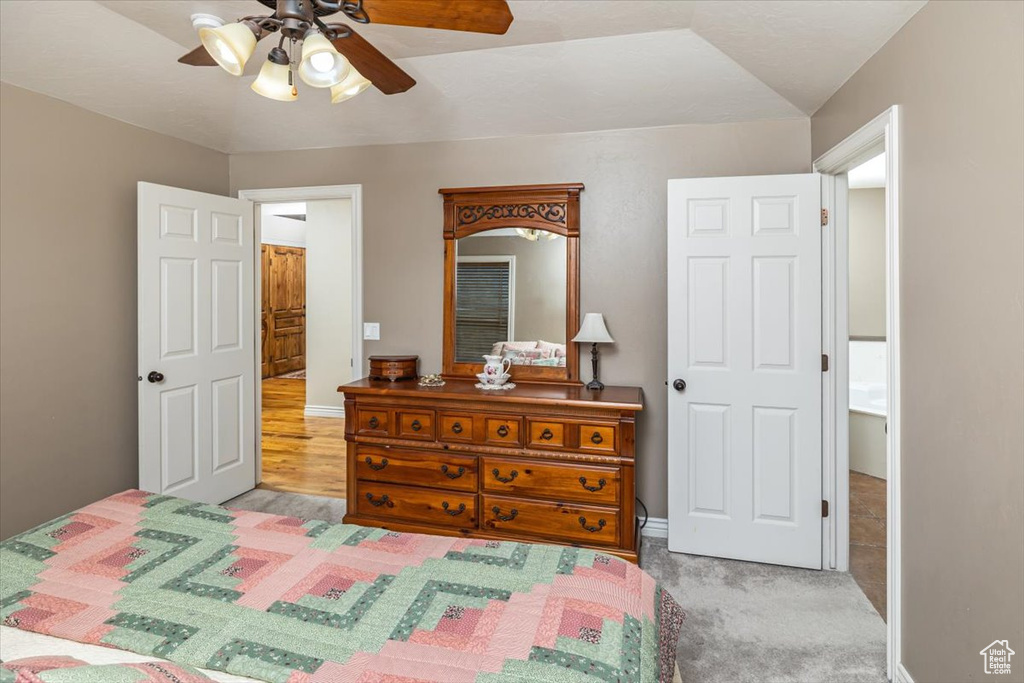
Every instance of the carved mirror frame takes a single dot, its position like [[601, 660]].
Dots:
[[555, 208]]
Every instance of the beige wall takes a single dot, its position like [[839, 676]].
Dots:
[[867, 262], [957, 69], [622, 233], [68, 426], [328, 301]]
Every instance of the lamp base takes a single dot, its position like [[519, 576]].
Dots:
[[595, 385]]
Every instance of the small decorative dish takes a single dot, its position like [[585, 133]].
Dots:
[[431, 381]]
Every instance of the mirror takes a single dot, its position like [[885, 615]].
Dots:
[[512, 281], [510, 297]]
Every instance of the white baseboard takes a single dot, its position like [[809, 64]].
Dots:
[[902, 675], [657, 527], [324, 411]]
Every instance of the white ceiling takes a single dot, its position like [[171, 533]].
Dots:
[[564, 66]]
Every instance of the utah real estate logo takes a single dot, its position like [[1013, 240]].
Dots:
[[997, 657]]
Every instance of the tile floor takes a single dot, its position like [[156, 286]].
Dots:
[[867, 537]]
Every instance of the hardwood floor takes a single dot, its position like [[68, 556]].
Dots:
[[867, 537], [300, 454]]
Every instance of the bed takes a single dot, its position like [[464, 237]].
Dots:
[[253, 596]]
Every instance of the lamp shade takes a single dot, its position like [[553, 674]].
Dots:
[[353, 84], [593, 330], [274, 80], [230, 45], [321, 66]]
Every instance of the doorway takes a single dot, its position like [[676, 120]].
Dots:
[[309, 278], [862, 393]]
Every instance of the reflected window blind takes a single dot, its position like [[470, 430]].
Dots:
[[481, 309]]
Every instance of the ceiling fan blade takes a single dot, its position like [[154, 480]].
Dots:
[[198, 57], [385, 75], [479, 16]]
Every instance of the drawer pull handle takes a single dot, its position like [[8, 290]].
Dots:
[[505, 518], [383, 500], [457, 428], [457, 511], [376, 468], [592, 529], [453, 475], [416, 426], [600, 484], [504, 480], [374, 422], [547, 434], [503, 431], [596, 437]]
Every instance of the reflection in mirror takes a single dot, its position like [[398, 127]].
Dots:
[[510, 290]]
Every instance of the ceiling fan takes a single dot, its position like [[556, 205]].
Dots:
[[332, 55]]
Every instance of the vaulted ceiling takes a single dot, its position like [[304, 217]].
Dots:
[[564, 66]]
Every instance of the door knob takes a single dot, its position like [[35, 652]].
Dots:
[[679, 385], [155, 377]]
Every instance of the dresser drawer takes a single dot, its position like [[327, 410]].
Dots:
[[415, 424], [423, 506], [601, 438], [532, 479], [566, 522], [502, 431], [439, 470], [545, 434], [375, 421], [457, 427]]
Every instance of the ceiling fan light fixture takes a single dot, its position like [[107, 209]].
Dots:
[[321, 66], [275, 79], [353, 84], [230, 45]]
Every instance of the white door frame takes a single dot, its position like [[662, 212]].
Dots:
[[880, 134], [309, 194]]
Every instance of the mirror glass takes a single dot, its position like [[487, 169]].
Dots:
[[510, 290]]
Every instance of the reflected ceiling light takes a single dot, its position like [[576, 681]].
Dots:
[[230, 45], [533, 235], [275, 79], [353, 84], [321, 66]]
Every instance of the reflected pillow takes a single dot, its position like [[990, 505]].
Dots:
[[554, 349], [529, 357], [501, 347]]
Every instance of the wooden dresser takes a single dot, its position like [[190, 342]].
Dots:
[[542, 462]]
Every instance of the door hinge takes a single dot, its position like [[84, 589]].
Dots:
[[824, 362], [824, 508], [824, 217]]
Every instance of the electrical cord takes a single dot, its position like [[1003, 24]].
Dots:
[[645, 511]]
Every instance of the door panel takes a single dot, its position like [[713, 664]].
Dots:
[[284, 309], [744, 306], [195, 293]]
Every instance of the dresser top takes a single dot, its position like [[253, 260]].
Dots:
[[620, 398]]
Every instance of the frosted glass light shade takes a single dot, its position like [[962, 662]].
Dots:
[[353, 84], [593, 330], [321, 66], [230, 46], [273, 83]]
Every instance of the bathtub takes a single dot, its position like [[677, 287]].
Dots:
[[869, 398]]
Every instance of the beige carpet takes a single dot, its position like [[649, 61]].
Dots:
[[745, 622]]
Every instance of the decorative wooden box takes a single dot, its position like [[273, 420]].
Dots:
[[393, 368]]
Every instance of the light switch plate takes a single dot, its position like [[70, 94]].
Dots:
[[371, 331]]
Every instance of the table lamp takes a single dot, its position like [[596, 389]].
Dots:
[[593, 331]]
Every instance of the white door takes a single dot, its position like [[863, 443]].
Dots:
[[744, 334], [197, 362]]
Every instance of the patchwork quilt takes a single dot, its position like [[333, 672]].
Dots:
[[290, 600]]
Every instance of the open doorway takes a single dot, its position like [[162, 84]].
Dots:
[[861, 392], [309, 307], [867, 378]]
